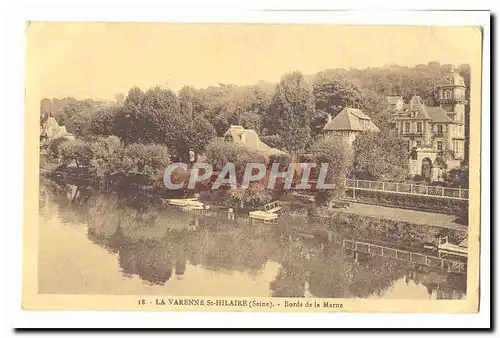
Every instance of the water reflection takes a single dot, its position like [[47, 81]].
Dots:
[[159, 244]]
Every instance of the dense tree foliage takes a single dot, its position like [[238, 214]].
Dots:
[[380, 157], [103, 122], [338, 156], [219, 152], [290, 112], [106, 156], [77, 151]]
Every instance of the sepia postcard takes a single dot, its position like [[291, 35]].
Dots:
[[252, 167]]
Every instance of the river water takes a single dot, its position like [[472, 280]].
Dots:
[[107, 245]]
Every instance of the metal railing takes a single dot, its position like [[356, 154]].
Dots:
[[409, 189], [407, 256]]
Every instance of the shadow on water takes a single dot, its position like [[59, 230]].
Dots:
[[158, 243]]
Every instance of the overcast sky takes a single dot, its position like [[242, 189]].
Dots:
[[100, 60]]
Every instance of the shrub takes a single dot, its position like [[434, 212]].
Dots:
[[75, 150], [337, 154]]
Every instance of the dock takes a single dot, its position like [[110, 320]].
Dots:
[[268, 212], [446, 248], [186, 204], [263, 215]]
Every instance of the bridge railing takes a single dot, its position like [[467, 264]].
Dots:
[[408, 188]]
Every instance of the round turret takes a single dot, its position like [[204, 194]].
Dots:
[[453, 78], [452, 89]]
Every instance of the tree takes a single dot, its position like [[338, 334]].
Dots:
[[188, 131], [147, 159], [80, 124], [103, 122], [338, 155], [290, 112], [107, 156], [380, 157], [225, 105], [274, 141], [159, 109], [458, 177], [129, 120], [54, 145], [333, 92], [220, 152], [75, 150], [119, 99]]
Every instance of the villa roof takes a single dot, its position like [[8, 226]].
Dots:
[[349, 119], [438, 115], [434, 114], [344, 121], [249, 138]]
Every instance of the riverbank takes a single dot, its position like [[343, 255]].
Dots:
[[433, 219]]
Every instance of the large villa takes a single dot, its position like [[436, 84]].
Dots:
[[435, 136]]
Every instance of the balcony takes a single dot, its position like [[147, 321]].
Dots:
[[411, 133]]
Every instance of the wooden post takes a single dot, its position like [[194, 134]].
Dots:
[[397, 187], [427, 190], [442, 191], [383, 186]]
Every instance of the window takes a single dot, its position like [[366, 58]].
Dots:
[[439, 145], [440, 129], [407, 127], [408, 145], [419, 127], [447, 94], [419, 143]]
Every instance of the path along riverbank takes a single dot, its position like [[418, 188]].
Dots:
[[404, 215]]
